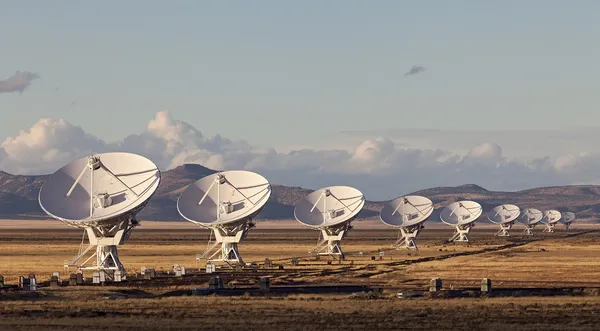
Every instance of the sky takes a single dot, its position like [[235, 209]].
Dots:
[[311, 92]]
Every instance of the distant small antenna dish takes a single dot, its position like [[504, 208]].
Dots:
[[226, 203], [462, 216], [102, 194], [407, 213], [505, 216], [331, 210], [530, 217], [551, 217], [567, 218]]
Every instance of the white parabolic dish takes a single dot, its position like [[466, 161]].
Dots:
[[567, 217], [551, 216], [504, 214], [461, 213], [530, 216], [329, 206], [209, 204], [135, 180], [406, 211]]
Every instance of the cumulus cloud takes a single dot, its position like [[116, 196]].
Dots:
[[18, 82], [378, 166], [414, 70], [46, 145]]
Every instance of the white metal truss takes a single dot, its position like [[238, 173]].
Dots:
[[504, 229], [330, 243], [407, 237], [225, 246], [549, 227], [460, 234], [105, 240], [528, 230]]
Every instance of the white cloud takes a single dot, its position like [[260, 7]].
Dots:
[[381, 167], [46, 145]]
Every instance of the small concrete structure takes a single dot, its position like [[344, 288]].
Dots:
[[27, 284], [54, 281], [149, 274], [215, 283], [118, 276], [210, 268], [57, 274], [79, 278], [435, 285], [177, 269], [99, 277], [486, 285], [143, 271], [268, 263], [265, 284], [76, 279], [73, 280]]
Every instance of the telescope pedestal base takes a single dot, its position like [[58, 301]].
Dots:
[[567, 225], [461, 233], [228, 250], [528, 230], [330, 245], [105, 242], [504, 230], [549, 228], [407, 238]]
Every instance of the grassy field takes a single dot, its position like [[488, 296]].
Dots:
[[545, 261]]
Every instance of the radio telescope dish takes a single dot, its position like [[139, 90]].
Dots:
[[567, 218], [504, 215], [331, 210], [407, 213], [551, 217], [462, 216], [102, 194], [226, 203], [530, 218]]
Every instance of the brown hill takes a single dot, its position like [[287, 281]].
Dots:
[[18, 197]]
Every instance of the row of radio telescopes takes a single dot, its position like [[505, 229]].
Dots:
[[103, 194]]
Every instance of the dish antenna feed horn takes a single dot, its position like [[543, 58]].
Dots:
[[330, 210], [462, 216], [226, 203], [101, 194], [407, 214], [505, 216]]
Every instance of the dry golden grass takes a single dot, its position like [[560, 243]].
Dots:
[[551, 260]]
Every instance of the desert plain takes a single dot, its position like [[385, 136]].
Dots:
[[566, 264]]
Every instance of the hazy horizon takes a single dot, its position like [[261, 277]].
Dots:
[[390, 97]]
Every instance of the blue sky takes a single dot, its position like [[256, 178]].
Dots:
[[508, 99], [270, 71]]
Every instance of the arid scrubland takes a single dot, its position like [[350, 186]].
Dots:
[[560, 259]]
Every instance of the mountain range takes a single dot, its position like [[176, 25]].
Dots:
[[18, 197]]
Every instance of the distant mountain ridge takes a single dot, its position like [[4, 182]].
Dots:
[[18, 197]]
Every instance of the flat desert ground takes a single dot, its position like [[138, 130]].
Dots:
[[567, 264]]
